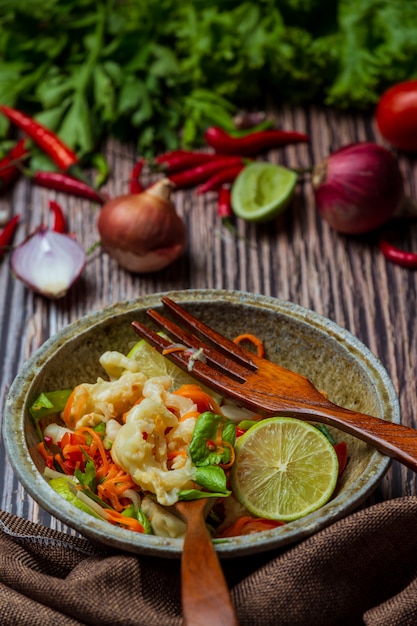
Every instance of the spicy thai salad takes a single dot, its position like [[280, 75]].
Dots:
[[145, 435]]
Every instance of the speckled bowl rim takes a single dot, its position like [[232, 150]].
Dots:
[[97, 530]]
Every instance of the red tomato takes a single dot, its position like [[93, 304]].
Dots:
[[396, 116]]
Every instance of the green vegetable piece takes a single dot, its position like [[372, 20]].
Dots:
[[211, 477], [66, 489], [196, 494], [203, 449], [48, 403], [137, 513], [88, 478], [323, 428], [246, 424]]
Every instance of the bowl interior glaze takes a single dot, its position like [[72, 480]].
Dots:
[[299, 339]]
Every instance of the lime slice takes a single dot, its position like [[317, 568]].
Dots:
[[152, 363], [262, 191], [284, 469]]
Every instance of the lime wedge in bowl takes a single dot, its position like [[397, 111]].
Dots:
[[284, 469], [262, 191]]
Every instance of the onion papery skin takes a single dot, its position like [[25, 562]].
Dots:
[[48, 262], [358, 188], [143, 232]]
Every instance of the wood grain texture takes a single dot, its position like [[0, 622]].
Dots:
[[297, 258]]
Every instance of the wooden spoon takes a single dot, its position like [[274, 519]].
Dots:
[[204, 592]]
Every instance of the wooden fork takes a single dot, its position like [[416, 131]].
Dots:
[[264, 387], [270, 389]]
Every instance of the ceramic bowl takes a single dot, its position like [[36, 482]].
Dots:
[[297, 338]]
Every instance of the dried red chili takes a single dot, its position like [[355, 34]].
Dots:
[[6, 234], [60, 223], [9, 165], [224, 205], [181, 160], [201, 173], [67, 184], [47, 140], [253, 143], [397, 256], [135, 186], [227, 175]]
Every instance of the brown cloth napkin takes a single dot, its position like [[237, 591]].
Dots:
[[360, 570]]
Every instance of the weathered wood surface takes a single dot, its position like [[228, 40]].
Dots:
[[297, 258]]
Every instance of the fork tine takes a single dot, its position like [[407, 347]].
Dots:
[[214, 356], [225, 345], [203, 372]]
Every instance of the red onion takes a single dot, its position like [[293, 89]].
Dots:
[[48, 262], [143, 231], [358, 188]]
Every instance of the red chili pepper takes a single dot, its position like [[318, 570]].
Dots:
[[253, 143], [60, 223], [227, 175], [9, 165], [181, 160], [135, 185], [224, 205], [397, 256], [67, 184], [341, 451], [201, 173], [50, 143], [6, 235]]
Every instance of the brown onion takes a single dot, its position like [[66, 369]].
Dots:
[[143, 231], [358, 188]]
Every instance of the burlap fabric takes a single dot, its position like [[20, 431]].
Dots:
[[361, 570]]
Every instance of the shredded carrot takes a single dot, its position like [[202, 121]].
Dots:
[[74, 407], [260, 349], [175, 453], [226, 444], [96, 445], [172, 349], [113, 485], [128, 522], [44, 452], [62, 465], [221, 445], [247, 525], [189, 414], [202, 399]]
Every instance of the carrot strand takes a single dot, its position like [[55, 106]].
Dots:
[[260, 349]]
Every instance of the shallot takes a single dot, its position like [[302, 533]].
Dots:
[[143, 231], [358, 188], [48, 262]]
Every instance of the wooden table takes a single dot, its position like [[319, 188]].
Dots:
[[297, 258]]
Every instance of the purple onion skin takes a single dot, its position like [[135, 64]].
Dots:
[[358, 188]]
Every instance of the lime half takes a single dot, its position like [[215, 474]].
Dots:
[[284, 469], [262, 191]]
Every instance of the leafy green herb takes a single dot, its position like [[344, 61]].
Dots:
[[203, 448], [137, 513], [323, 428], [88, 478], [197, 494], [162, 70]]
